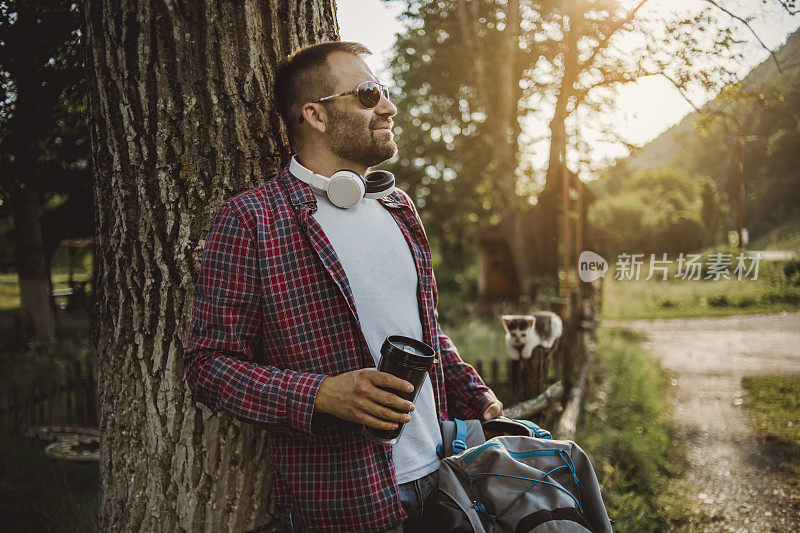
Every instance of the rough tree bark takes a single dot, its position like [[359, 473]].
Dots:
[[181, 118]]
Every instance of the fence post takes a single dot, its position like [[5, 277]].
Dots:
[[6, 409], [27, 405], [70, 396], [77, 378], [38, 400], [15, 409], [23, 407], [51, 401], [91, 396]]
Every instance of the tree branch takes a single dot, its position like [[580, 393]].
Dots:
[[785, 5], [746, 23], [713, 112], [603, 44], [680, 91]]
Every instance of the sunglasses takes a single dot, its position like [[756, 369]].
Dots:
[[369, 94]]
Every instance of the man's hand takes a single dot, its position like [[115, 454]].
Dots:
[[494, 409], [355, 396]]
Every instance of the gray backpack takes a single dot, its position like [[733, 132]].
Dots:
[[514, 483]]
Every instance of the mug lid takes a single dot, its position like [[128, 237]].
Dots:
[[414, 352]]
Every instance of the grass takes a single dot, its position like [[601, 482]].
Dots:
[[785, 236], [482, 339], [774, 406], [9, 291], [776, 289], [37, 494], [626, 429], [9, 287], [674, 299], [479, 339]]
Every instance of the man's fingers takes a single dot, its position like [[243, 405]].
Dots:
[[494, 409], [385, 413], [377, 423], [384, 379], [389, 399]]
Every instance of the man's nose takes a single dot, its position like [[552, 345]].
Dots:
[[385, 107]]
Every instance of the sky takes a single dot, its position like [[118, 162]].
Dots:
[[646, 108]]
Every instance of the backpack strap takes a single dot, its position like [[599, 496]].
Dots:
[[509, 426], [536, 431], [460, 437]]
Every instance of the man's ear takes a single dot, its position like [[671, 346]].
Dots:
[[315, 116]]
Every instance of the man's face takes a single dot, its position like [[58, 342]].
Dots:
[[354, 133]]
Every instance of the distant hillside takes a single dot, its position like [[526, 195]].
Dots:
[[668, 149]]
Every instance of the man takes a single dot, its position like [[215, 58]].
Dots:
[[295, 297]]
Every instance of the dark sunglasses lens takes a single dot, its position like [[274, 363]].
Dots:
[[369, 94]]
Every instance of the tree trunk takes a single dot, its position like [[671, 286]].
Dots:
[[551, 197], [181, 118], [24, 130], [38, 318], [503, 126]]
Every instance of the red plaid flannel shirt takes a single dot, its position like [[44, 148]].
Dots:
[[273, 316]]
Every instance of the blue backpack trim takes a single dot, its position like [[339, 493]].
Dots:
[[562, 453], [460, 437], [536, 431]]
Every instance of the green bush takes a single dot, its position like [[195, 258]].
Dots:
[[791, 271], [780, 297], [719, 300], [746, 301]]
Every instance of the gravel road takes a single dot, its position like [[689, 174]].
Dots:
[[734, 478]]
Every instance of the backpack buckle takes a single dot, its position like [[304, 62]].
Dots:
[[459, 446]]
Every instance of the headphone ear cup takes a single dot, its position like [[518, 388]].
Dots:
[[346, 188], [379, 183]]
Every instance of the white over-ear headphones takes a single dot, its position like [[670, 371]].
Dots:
[[345, 188]]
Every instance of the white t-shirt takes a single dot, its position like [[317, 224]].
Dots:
[[380, 269]]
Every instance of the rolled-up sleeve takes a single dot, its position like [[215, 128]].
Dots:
[[225, 338]]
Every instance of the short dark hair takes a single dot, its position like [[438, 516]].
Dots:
[[305, 75]]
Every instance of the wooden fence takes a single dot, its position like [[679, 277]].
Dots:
[[69, 400], [491, 373], [524, 379]]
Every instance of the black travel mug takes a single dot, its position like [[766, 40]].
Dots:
[[408, 359]]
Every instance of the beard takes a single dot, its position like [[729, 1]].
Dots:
[[352, 140]]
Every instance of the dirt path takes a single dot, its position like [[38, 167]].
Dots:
[[736, 481]]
